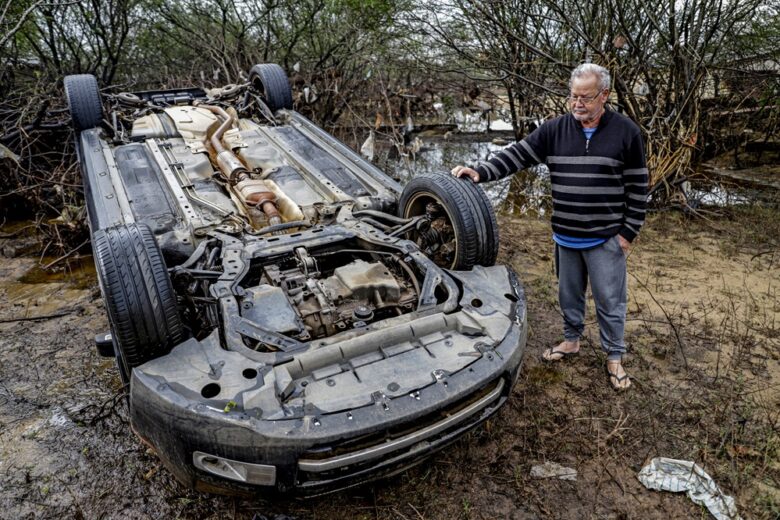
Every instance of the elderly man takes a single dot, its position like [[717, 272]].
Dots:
[[599, 185]]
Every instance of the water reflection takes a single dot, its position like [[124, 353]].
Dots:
[[477, 122], [527, 193]]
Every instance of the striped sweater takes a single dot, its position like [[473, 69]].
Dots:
[[599, 186]]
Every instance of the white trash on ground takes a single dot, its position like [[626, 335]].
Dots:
[[553, 470], [663, 474]]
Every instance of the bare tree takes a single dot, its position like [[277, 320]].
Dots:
[[660, 55], [325, 45], [502, 43], [86, 36]]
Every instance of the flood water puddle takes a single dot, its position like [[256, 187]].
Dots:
[[29, 289], [527, 193], [77, 272]]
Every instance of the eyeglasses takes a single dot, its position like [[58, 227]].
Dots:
[[584, 99]]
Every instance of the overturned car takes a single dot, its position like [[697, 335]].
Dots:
[[287, 317]]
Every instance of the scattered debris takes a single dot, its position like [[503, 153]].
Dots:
[[367, 149], [553, 470], [5, 153], [152, 472], [59, 418], [663, 474]]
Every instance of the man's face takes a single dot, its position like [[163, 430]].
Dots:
[[586, 100]]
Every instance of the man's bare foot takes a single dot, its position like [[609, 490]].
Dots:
[[617, 376], [564, 349]]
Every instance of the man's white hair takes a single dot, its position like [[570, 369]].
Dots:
[[591, 69]]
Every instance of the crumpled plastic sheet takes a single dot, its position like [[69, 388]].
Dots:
[[663, 474]]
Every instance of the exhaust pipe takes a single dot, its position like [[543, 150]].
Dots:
[[254, 193]]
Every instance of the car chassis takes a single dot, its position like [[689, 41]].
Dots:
[[288, 318]]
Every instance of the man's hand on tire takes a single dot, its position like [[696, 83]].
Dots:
[[462, 171]]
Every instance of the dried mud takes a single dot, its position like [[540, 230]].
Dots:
[[703, 333]]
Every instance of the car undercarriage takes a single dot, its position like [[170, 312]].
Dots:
[[287, 317]]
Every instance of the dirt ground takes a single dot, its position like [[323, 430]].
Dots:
[[704, 338]]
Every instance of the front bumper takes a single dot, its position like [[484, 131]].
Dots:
[[219, 448]]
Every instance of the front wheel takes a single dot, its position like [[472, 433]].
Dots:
[[461, 229], [139, 297]]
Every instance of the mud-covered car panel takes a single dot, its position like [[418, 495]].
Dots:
[[315, 450]]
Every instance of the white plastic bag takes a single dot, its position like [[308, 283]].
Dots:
[[663, 474], [367, 149]]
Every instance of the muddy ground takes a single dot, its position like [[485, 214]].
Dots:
[[704, 337]]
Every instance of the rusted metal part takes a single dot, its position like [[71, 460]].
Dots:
[[227, 161], [253, 193]]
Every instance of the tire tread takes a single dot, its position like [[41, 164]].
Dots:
[[471, 213], [83, 96], [139, 297], [275, 83]]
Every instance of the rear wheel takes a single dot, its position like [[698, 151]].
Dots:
[[83, 96], [139, 298], [461, 231], [271, 81]]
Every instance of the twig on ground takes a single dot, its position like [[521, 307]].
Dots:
[[618, 428], [17, 232], [620, 484], [103, 409], [762, 253], [399, 514], [42, 317], [668, 318], [416, 511], [66, 255]]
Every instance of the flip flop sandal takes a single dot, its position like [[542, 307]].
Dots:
[[550, 351], [619, 380]]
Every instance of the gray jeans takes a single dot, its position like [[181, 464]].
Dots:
[[605, 266]]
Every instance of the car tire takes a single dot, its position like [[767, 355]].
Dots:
[[139, 297], [467, 210], [488, 250], [271, 80], [83, 96]]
